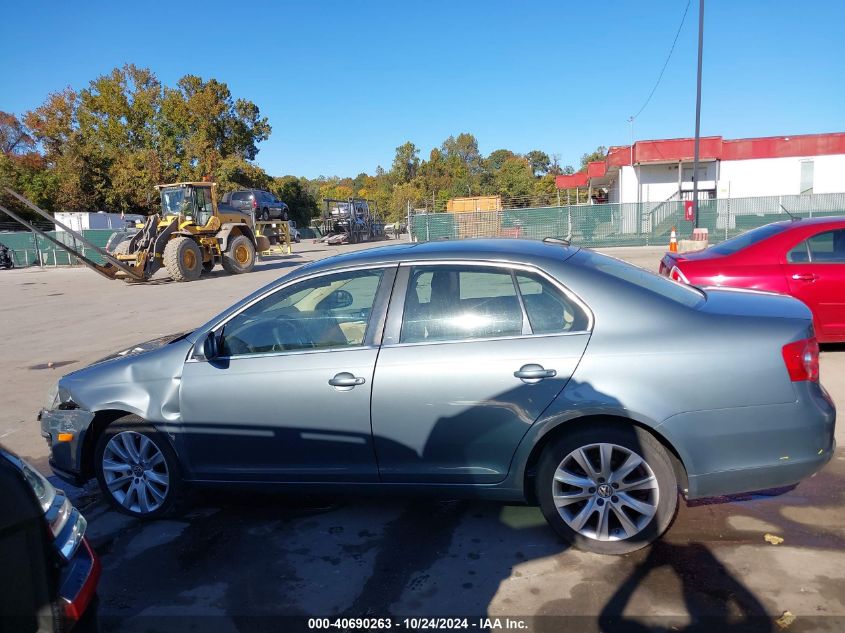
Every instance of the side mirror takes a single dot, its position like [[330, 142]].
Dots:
[[207, 348], [336, 300]]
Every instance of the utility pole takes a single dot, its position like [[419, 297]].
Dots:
[[697, 112]]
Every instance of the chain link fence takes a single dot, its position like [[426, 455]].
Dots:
[[626, 224], [27, 249]]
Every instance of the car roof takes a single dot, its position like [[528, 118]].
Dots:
[[823, 220], [502, 249]]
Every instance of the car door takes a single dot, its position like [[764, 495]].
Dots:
[[288, 396], [815, 272], [472, 355]]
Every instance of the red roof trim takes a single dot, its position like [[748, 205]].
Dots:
[[711, 148], [581, 179]]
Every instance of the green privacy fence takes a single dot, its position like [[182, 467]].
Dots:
[[625, 224], [26, 251]]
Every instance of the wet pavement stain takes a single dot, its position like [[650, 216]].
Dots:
[[409, 546]]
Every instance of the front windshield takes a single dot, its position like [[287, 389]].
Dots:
[[175, 200]]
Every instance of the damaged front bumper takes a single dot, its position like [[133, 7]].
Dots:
[[65, 432]]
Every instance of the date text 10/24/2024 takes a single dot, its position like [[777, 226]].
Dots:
[[418, 624]]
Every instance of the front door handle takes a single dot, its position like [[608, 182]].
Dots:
[[805, 277], [534, 373], [345, 379]]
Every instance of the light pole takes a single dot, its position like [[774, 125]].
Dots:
[[697, 112]]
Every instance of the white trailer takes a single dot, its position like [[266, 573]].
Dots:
[[87, 220]]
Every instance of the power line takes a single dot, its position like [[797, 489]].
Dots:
[[665, 64]]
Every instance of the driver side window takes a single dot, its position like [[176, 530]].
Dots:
[[325, 312]]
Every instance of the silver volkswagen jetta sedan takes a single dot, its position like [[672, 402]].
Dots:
[[510, 369]]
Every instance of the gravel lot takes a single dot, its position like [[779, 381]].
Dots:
[[234, 562]]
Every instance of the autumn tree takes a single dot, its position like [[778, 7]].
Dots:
[[109, 144]]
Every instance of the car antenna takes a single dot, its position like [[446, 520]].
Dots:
[[794, 219], [556, 240]]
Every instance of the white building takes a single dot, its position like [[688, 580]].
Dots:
[[655, 171]]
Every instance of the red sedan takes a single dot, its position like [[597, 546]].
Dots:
[[803, 258]]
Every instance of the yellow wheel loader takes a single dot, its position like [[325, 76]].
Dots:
[[189, 235]]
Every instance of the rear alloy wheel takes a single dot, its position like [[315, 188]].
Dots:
[[137, 470], [265, 215], [239, 256], [183, 259], [607, 489]]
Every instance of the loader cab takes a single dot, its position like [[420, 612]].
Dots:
[[190, 202]]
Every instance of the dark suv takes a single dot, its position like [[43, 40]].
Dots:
[[263, 203]]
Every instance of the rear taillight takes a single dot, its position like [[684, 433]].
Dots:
[[676, 275], [254, 203], [802, 359]]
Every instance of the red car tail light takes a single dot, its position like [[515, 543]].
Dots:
[[802, 359], [676, 275], [254, 203]]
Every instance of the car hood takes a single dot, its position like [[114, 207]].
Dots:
[[146, 346]]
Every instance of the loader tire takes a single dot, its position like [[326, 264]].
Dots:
[[122, 248], [183, 259], [240, 256]]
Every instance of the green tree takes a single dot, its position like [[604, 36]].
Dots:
[[539, 161], [464, 148], [406, 163], [515, 181], [600, 153], [294, 192]]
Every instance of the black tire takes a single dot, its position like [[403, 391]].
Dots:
[[122, 248], [136, 428], [265, 215], [239, 256], [625, 438], [183, 259]]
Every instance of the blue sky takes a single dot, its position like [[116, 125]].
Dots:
[[344, 83]]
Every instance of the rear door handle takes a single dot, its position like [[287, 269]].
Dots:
[[805, 277], [345, 379], [534, 372]]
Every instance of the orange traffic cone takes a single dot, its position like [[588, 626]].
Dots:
[[673, 241]]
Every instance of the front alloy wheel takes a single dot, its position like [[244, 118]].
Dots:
[[607, 489], [137, 470]]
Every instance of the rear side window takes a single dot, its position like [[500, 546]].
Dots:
[[652, 282], [474, 302], [549, 310], [828, 247], [458, 303], [799, 254], [240, 195]]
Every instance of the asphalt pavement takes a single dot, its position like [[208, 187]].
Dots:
[[234, 561]]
